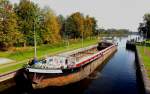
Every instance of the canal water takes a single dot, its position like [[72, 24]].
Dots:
[[117, 76]]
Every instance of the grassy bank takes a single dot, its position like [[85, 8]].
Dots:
[[145, 56], [22, 56]]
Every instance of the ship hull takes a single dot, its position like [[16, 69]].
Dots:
[[71, 75]]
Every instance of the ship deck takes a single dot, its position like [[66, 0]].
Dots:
[[68, 60]]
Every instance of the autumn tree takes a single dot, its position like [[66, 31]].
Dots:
[[79, 26], [51, 27], [79, 22], [75, 25], [9, 34], [88, 26], [19, 21]]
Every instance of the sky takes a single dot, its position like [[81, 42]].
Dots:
[[119, 14]]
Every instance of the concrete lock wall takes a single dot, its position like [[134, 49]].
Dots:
[[142, 77], [7, 80]]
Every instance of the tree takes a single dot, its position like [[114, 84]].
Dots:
[[79, 26], [62, 20], [28, 14], [147, 24], [75, 25], [71, 28], [9, 34], [88, 24], [94, 25], [144, 27], [18, 22], [51, 27]]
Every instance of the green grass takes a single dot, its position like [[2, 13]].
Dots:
[[145, 57], [11, 68], [21, 57]]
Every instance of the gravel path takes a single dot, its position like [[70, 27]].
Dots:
[[5, 60]]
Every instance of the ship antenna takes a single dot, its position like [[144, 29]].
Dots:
[[35, 50], [66, 35], [82, 36]]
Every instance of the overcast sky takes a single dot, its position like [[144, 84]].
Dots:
[[109, 13]]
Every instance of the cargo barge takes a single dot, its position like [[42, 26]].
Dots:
[[69, 67]]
